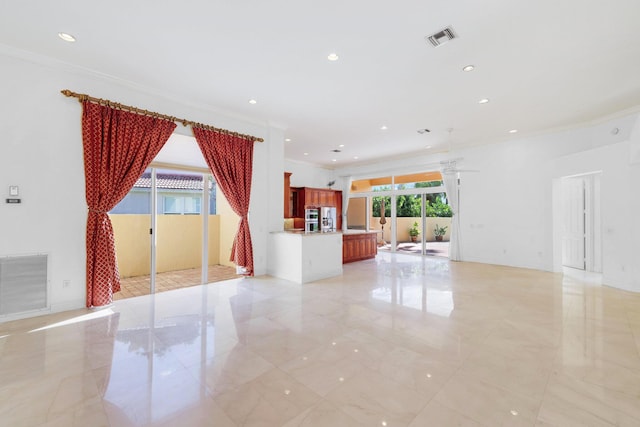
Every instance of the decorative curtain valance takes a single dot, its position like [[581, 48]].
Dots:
[[118, 146], [230, 158], [82, 97]]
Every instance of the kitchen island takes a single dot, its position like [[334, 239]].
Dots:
[[358, 245], [305, 257]]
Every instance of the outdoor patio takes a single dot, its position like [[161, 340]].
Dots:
[[139, 285], [432, 248]]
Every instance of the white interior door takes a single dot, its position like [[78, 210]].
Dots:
[[573, 211]]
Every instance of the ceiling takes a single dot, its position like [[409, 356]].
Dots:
[[544, 65]]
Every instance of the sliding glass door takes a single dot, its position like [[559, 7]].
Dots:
[[180, 211], [410, 212], [409, 221]]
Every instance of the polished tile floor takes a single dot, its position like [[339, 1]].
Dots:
[[396, 341]]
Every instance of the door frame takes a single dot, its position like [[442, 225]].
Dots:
[[423, 191], [593, 221]]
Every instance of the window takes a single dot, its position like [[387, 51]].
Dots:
[[181, 205]]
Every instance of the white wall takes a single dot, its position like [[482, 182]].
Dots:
[[617, 197], [307, 175], [41, 151], [506, 211]]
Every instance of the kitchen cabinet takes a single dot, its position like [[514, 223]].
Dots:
[[359, 246], [297, 202], [288, 201], [307, 197], [316, 197], [338, 204]]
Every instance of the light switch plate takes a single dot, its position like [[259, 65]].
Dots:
[[13, 190]]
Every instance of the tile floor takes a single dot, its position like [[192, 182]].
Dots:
[[169, 281], [396, 341]]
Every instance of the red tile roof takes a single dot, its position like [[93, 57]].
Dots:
[[171, 181]]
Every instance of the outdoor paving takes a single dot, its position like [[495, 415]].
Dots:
[[139, 285], [432, 248]]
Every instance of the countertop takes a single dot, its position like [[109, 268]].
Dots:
[[362, 231], [302, 232], [317, 233]]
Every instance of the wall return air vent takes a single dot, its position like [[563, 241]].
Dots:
[[441, 37]]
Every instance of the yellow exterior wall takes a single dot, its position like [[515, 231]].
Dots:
[[179, 244], [132, 244], [214, 239]]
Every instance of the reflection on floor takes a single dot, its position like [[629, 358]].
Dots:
[[140, 285], [398, 340], [431, 248]]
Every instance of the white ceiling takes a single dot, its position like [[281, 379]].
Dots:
[[544, 65]]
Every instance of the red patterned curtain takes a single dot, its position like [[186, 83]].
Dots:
[[118, 146], [230, 158]]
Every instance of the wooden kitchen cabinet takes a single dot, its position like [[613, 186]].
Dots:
[[317, 197], [338, 204], [313, 197], [307, 197], [356, 247], [287, 196]]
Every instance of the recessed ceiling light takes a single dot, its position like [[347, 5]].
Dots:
[[483, 101], [67, 37], [383, 127], [428, 146], [253, 101], [306, 154], [287, 139], [333, 57], [334, 160], [468, 68], [341, 145], [355, 157], [513, 131]]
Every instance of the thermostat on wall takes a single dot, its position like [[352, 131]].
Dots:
[[13, 194]]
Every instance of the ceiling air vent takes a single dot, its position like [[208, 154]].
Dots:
[[441, 37]]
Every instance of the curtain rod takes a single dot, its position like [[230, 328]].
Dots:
[[84, 97]]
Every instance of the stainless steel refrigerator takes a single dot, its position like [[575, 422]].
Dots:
[[327, 219]]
